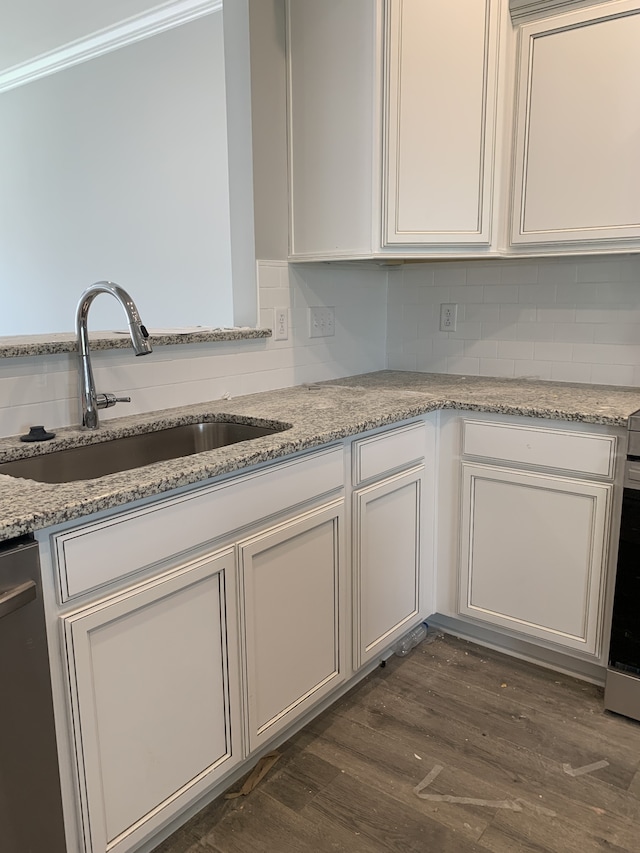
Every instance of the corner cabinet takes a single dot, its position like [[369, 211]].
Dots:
[[576, 182], [392, 126], [534, 535], [155, 697]]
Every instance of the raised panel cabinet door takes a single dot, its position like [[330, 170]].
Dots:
[[576, 166], [154, 688], [293, 601], [440, 81], [386, 562], [533, 554]]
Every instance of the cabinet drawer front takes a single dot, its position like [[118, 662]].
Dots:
[[97, 554], [548, 448], [387, 452]]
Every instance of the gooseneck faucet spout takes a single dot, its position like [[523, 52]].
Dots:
[[90, 402]]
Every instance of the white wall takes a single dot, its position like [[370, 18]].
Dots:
[[43, 390], [269, 123], [571, 320], [117, 169], [33, 27]]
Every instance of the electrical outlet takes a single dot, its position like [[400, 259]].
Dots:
[[448, 317], [281, 326], [322, 322]]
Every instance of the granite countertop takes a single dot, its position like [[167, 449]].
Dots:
[[315, 414], [18, 346]]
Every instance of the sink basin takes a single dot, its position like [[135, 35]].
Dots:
[[133, 451]]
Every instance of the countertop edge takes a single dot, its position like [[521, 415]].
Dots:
[[316, 415]]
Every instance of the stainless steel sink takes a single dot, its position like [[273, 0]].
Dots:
[[133, 451]]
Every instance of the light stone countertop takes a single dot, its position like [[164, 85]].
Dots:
[[317, 415], [18, 346]]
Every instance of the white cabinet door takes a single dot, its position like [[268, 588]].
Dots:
[[386, 563], [154, 685], [533, 554], [441, 106], [577, 171], [292, 579]]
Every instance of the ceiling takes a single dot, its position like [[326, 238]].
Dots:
[[33, 27]]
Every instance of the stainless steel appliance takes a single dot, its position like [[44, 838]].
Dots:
[[30, 801], [622, 687]]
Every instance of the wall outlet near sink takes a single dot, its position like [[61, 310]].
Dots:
[[448, 317], [281, 325]]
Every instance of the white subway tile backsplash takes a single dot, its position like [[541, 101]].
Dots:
[[482, 348], [520, 350], [552, 272], [468, 294], [450, 275], [532, 369], [578, 333], [502, 331], [275, 297], [483, 313], [496, 367], [466, 331], [605, 271], [534, 331], [613, 374], [44, 389], [483, 273], [537, 294], [518, 313], [500, 293], [552, 351], [421, 274], [570, 319], [462, 366], [576, 294], [523, 272], [566, 372], [617, 333], [556, 315]]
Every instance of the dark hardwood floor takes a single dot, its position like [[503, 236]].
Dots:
[[452, 749]]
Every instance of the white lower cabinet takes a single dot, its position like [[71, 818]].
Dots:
[[386, 562], [154, 680], [534, 553], [293, 603]]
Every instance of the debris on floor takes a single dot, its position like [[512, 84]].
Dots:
[[256, 776]]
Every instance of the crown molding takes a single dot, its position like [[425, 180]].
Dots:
[[139, 27]]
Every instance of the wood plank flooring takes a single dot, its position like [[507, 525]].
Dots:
[[453, 749]]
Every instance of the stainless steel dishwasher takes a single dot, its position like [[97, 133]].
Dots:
[[622, 686], [30, 800]]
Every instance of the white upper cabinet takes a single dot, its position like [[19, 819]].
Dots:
[[392, 126], [440, 87], [576, 182]]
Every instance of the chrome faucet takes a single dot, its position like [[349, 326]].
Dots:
[[90, 402]]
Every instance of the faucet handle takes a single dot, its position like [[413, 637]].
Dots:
[[105, 401]]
